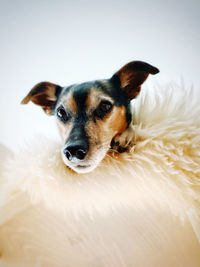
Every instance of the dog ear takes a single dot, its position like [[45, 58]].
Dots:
[[44, 94], [131, 76]]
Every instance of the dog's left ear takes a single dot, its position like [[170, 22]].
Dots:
[[131, 76], [44, 94]]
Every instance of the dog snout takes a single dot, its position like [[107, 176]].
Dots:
[[75, 151]]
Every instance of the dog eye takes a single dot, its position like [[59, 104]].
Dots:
[[103, 108], [63, 115]]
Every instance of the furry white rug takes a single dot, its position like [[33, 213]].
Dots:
[[136, 209]]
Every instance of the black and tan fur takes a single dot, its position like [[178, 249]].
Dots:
[[93, 117]]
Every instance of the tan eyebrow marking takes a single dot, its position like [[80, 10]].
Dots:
[[70, 103], [94, 98]]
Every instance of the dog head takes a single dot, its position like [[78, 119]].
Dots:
[[90, 115]]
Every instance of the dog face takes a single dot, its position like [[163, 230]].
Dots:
[[90, 115]]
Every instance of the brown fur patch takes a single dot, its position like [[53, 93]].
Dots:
[[102, 132], [118, 122], [92, 100], [70, 103]]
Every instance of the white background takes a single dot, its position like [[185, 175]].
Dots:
[[74, 41]]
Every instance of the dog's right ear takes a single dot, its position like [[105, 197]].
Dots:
[[44, 94]]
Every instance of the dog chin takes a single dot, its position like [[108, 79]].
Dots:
[[83, 168], [80, 167]]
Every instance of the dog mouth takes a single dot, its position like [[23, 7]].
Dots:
[[83, 166]]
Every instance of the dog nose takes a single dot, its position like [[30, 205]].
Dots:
[[75, 151]]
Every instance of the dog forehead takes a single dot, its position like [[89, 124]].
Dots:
[[86, 87], [83, 94]]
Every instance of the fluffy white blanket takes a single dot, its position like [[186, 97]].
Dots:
[[136, 209]]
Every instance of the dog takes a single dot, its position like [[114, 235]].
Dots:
[[93, 117]]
